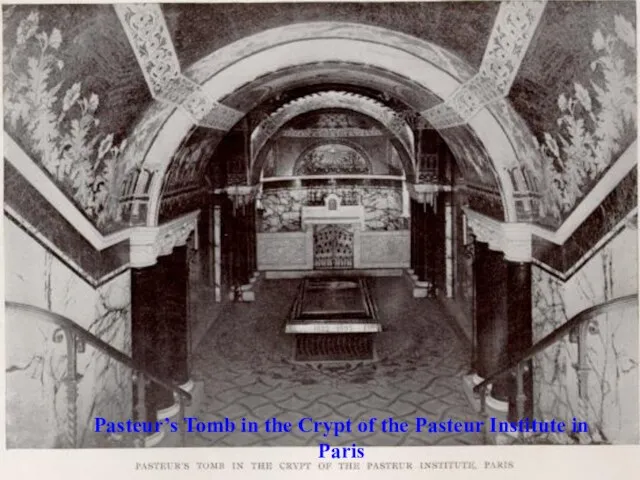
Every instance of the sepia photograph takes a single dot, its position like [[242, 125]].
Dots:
[[333, 225]]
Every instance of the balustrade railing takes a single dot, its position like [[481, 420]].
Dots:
[[577, 327], [76, 338]]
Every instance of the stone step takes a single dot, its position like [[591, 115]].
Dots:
[[171, 439]]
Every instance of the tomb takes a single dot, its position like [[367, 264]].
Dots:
[[334, 319]]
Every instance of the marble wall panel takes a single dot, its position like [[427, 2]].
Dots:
[[285, 251], [611, 406], [384, 249], [36, 364], [282, 208]]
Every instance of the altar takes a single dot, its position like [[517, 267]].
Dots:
[[334, 319], [332, 236]]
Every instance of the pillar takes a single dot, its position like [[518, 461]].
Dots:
[[172, 317], [438, 243], [216, 225], [449, 244], [414, 234], [240, 242], [430, 247], [243, 247], [252, 239], [492, 328], [145, 335], [160, 325], [503, 322], [520, 332], [420, 241], [424, 258]]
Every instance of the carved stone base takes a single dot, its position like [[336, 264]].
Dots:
[[468, 383], [493, 407], [247, 291], [154, 439], [248, 295], [421, 289], [419, 292], [168, 439]]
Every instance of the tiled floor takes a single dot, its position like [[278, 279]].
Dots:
[[245, 362]]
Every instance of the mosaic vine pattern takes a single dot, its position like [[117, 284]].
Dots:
[[57, 122]]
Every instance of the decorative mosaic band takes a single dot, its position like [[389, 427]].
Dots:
[[149, 37], [512, 32]]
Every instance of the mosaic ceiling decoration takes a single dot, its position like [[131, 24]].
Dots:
[[58, 113], [187, 166], [147, 31], [208, 68], [463, 27], [384, 85], [332, 159], [559, 78], [513, 29], [331, 120], [583, 117]]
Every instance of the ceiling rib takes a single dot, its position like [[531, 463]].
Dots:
[[512, 32], [149, 37]]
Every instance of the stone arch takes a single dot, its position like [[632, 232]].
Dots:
[[434, 68], [389, 121]]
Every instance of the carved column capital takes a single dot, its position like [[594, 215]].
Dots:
[[426, 192], [513, 239], [242, 195], [516, 241], [149, 243]]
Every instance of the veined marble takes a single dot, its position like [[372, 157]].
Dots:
[[282, 207], [36, 364], [611, 406]]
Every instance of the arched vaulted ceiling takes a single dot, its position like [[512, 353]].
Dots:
[[389, 84], [226, 70], [501, 82]]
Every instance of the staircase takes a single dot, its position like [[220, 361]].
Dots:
[[61, 420], [577, 329], [405, 389]]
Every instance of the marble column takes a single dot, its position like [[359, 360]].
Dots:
[[145, 335], [172, 317], [492, 327], [414, 233], [227, 245], [251, 237], [520, 331], [216, 224], [420, 241], [449, 245], [438, 243], [244, 250], [430, 247], [159, 325], [240, 237]]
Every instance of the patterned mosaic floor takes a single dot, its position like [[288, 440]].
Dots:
[[245, 362]]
